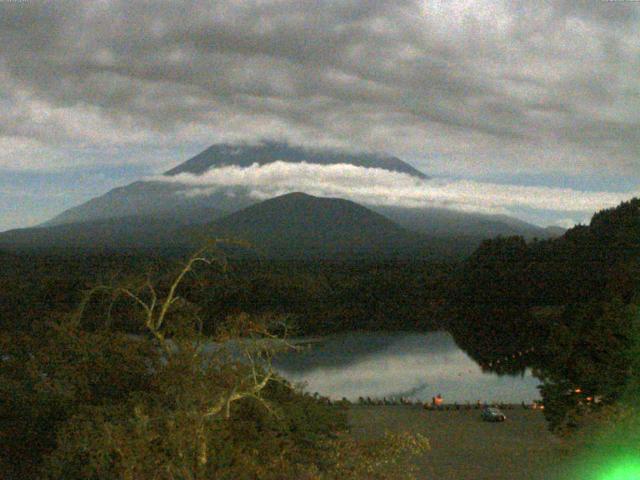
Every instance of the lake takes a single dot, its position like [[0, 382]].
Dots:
[[413, 365]]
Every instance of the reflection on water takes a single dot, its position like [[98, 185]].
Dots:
[[414, 365]]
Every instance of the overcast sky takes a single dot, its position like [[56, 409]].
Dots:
[[526, 94]]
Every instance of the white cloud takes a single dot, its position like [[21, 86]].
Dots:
[[379, 187]]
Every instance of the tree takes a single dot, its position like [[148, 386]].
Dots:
[[172, 403]]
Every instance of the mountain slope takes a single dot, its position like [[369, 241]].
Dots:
[[292, 226], [298, 225], [442, 222], [268, 152], [127, 234]]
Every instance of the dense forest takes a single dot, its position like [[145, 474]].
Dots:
[[567, 307], [318, 297]]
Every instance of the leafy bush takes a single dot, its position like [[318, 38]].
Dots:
[[170, 404]]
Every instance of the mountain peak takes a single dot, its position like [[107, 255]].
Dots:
[[295, 196], [305, 198], [221, 155]]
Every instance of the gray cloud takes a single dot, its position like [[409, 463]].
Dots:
[[480, 85]]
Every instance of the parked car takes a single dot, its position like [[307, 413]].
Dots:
[[492, 414]]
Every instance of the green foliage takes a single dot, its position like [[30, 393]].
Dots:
[[609, 433], [324, 298], [491, 316], [321, 297], [569, 300], [85, 401], [168, 435], [47, 376]]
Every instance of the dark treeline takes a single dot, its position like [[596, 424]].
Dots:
[[573, 300], [34, 287], [322, 298], [316, 297]]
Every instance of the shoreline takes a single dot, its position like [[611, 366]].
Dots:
[[447, 407]]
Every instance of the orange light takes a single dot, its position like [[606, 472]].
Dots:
[[577, 390]]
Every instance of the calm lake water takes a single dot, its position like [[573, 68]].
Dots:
[[414, 365]]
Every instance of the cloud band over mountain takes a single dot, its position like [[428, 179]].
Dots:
[[376, 186]]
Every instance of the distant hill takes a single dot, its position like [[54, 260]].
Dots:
[[442, 222], [298, 225], [555, 231], [160, 232]]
